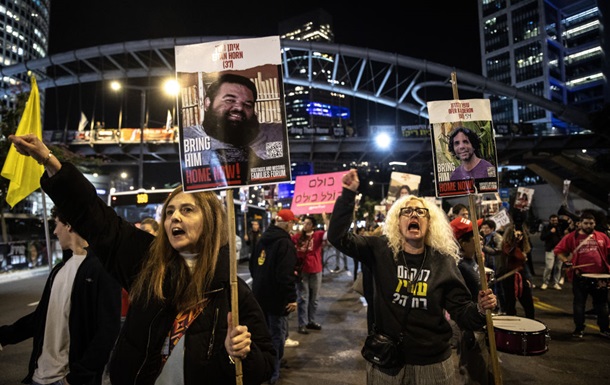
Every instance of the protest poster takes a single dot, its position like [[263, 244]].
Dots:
[[317, 193], [402, 183], [232, 122], [490, 204], [464, 147], [523, 199], [502, 218]]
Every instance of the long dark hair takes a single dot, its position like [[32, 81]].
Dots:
[[472, 137], [191, 288]]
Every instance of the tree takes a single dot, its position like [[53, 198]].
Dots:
[[9, 121]]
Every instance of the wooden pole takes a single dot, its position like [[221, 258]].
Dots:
[[483, 277], [233, 277]]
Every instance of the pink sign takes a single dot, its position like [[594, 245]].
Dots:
[[316, 194]]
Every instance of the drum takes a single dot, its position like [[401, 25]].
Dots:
[[599, 281], [518, 335]]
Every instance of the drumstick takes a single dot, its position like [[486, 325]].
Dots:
[[508, 274]]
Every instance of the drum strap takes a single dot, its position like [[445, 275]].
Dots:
[[580, 244], [518, 285], [602, 250]]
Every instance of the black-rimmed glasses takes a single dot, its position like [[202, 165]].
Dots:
[[419, 211]]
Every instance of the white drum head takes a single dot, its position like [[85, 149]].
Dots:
[[517, 324], [596, 276]]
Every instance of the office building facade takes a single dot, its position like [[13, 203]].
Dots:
[[24, 36], [311, 111], [550, 48]]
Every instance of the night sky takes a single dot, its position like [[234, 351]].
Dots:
[[431, 30], [438, 31]]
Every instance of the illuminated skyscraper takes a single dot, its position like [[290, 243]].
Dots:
[[24, 27], [311, 111], [550, 48]]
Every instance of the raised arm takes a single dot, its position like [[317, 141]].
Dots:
[[30, 145], [117, 243]]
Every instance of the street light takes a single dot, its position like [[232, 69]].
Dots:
[[171, 87]]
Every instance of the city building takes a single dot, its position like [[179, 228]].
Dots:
[[25, 36], [556, 49], [311, 111]]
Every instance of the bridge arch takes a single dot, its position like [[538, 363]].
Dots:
[[385, 78]]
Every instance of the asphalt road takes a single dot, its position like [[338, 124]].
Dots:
[[332, 356]]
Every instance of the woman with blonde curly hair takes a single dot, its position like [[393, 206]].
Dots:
[[414, 266]]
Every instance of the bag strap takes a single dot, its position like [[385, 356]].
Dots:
[[181, 323]]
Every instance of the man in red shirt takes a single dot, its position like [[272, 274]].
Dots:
[[587, 250], [309, 243]]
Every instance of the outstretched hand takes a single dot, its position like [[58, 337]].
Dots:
[[31, 145]]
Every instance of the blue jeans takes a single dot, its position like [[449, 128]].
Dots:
[[307, 291], [278, 328], [581, 288], [552, 265]]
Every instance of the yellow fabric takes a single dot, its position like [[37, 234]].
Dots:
[[23, 171]]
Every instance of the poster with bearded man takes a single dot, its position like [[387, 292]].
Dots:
[[232, 118]]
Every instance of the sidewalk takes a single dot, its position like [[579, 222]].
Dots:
[[330, 356], [14, 275]]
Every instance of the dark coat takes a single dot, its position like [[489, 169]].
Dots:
[[94, 322], [272, 270], [253, 238], [137, 355], [551, 239], [426, 333]]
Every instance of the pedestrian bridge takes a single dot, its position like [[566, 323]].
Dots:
[[384, 78]]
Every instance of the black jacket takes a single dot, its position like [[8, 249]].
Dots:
[[551, 239], [272, 270], [137, 355], [253, 238], [420, 316], [94, 322]]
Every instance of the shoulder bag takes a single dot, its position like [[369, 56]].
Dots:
[[382, 350]]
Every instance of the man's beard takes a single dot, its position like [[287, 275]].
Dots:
[[588, 230], [465, 157], [239, 134]]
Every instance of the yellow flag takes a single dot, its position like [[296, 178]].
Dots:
[[23, 171]]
